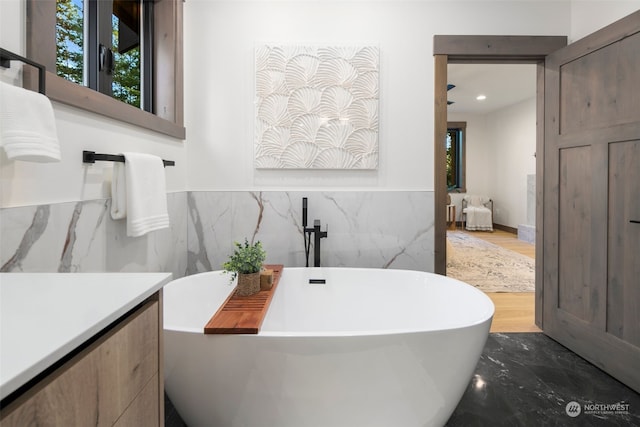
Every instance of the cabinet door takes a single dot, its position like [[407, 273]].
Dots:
[[98, 385], [144, 409]]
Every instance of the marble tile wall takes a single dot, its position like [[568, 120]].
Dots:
[[388, 229], [531, 199], [527, 232], [82, 237]]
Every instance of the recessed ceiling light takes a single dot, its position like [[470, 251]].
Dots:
[[481, 97]]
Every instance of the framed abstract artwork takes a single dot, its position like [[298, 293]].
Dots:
[[316, 107]]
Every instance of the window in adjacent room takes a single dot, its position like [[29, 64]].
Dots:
[[456, 156]]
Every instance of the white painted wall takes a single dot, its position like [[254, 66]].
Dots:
[[588, 16], [23, 183], [500, 148], [479, 158], [220, 38], [513, 144]]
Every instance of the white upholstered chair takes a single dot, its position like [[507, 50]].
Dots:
[[477, 213]]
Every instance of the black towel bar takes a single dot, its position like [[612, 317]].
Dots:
[[92, 157], [6, 56]]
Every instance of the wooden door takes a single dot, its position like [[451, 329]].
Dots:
[[591, 242]]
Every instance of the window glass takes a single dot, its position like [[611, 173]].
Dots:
[[453, 165], [117, 53], [70, 40], [454, 148], [126, 52]]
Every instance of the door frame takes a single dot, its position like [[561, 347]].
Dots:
[[470, 49]]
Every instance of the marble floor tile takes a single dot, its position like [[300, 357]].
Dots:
[[527, 379], [171, 416]]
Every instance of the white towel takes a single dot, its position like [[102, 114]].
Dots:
[[27, 125], [139, 194]]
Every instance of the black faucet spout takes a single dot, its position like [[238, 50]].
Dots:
[[316, 242]]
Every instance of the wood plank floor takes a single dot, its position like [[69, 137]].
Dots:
[[515, 311], [506, 240]]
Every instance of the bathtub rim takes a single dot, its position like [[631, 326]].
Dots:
[[485, 317]]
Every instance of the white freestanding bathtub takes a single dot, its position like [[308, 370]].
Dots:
[[371, 347]]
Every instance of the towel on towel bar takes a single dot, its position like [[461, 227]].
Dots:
[[27, 125], [139, 194]]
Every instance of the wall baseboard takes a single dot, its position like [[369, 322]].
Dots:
[[460, 225], [506, 228]]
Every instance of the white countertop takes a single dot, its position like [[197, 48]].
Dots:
[[44, 316]]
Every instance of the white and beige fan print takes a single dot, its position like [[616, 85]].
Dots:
[[316, 107]]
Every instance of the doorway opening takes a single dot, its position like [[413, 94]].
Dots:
[[490, 146], [485, 50]]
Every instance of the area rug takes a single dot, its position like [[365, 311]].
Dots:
[[488, 267]]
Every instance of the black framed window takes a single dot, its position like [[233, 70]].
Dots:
[[107, 45], [456, 156], [89, 48]]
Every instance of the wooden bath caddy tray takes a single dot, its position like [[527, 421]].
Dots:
[[244, 315]]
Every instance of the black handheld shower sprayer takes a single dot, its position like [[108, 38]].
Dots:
[[304, 212], [306, 232]]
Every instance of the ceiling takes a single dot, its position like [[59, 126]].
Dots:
[[503, 85]]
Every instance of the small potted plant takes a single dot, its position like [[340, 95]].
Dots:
[[246, 263]]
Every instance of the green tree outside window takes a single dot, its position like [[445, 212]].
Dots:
[[70, 48]]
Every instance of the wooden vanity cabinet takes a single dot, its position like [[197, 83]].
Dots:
[[116, 380]]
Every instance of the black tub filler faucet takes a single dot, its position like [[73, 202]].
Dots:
[[317, 235]]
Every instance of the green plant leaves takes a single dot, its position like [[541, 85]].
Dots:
[[246, 258]]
